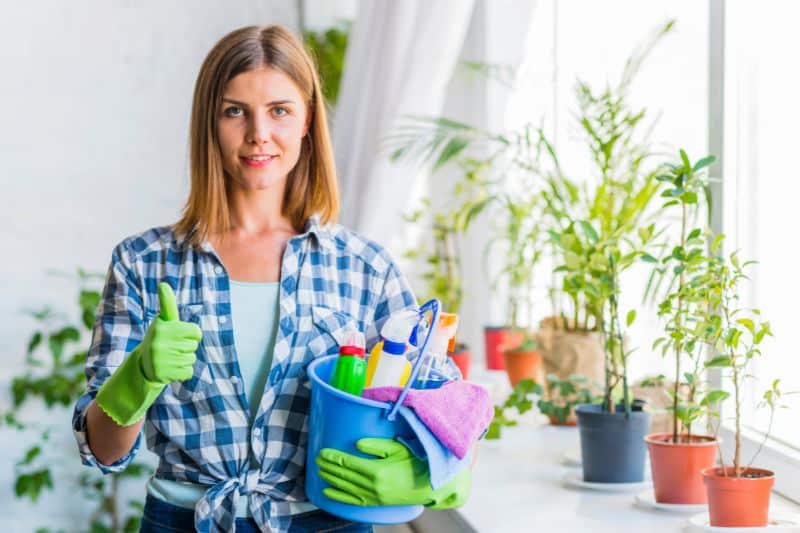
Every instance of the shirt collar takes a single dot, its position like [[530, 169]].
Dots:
[[321, 233]]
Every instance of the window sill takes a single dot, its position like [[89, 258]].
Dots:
[[517, 486]]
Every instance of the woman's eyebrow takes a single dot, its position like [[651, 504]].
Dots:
[[242, 104]]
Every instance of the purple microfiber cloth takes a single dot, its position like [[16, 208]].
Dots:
[[457, 413]]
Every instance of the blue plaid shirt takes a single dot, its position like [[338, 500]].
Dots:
[[331, 280]]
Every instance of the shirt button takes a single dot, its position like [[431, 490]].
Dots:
[[218, 269], [257, 432], [234, 380], [223, 319]]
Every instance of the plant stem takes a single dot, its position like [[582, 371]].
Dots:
[[678, 344]]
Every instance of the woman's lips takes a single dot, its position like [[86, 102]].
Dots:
[[259, 161]]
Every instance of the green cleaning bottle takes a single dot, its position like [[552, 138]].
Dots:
[[351, 369]]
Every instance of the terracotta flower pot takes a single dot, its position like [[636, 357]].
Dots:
[[571, 421], [495, 338], [738, 501], [522, 364], [462, 358], [677, 467]]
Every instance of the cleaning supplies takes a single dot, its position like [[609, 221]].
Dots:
[[351, 370], [390, 367], [437, 368]]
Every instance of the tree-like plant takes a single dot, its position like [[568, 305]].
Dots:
[[734, 333], [57, 381], [686, 186], [607, 226]]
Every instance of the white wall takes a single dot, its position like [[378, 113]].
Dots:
[[93, 148]]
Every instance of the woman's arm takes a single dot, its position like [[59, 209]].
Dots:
[[112, 442]]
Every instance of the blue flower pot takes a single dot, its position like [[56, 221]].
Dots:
[[612, 444]]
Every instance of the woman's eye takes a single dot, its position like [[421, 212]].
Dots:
[[280, 111], [234, 111]]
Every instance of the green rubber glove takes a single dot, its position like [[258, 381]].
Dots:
[[166, 354], [397, 478]]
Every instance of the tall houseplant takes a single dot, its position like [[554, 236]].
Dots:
[[607, 231], [738, 493], [54, 375], [678, 458]]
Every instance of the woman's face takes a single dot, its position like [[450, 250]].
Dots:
[[260, 128]]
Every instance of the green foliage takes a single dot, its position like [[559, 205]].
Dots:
[[329, 48], [683, 185], [563, 395], [53, 373], [442, 262], [733, 332], [518, 399], [607, 226]]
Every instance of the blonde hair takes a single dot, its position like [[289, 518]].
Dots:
[[311, 186]]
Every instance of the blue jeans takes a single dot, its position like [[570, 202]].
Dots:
[[162, 517]]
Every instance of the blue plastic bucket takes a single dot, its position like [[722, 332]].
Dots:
[[338, 420]]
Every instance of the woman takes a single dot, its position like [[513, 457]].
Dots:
[[206, 327]]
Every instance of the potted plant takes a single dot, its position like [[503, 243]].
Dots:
[[738, 493], [604, 236], [678, 457], [562, 396]]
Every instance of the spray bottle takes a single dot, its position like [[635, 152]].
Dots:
[[389, 367], [351, 369], [437, 368]]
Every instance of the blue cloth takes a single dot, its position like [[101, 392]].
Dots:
[[443, 465], [331, 281], [161, 517]]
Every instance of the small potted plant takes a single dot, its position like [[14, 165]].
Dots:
[[738, 493], [678, 457], [562, 396]]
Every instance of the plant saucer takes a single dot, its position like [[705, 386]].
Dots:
[[647, 500], [575, 480], [700, 523]]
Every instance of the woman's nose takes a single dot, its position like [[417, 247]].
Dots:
[[258, 129]]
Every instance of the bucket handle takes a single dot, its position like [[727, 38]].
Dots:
[[433, 306]]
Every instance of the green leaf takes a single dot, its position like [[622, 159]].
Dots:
[[719, 361], [630, 317], [747, 323], [704, 163], [694, 234], [590, 232], [36, 339], [714, 397], [30, 455]]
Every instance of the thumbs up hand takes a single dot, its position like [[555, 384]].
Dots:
[[169, 346]]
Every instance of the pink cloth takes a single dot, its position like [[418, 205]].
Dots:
[[458, 412]]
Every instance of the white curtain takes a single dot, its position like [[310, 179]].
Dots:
[[399, 60]]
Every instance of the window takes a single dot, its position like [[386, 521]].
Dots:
[[761, 191]]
